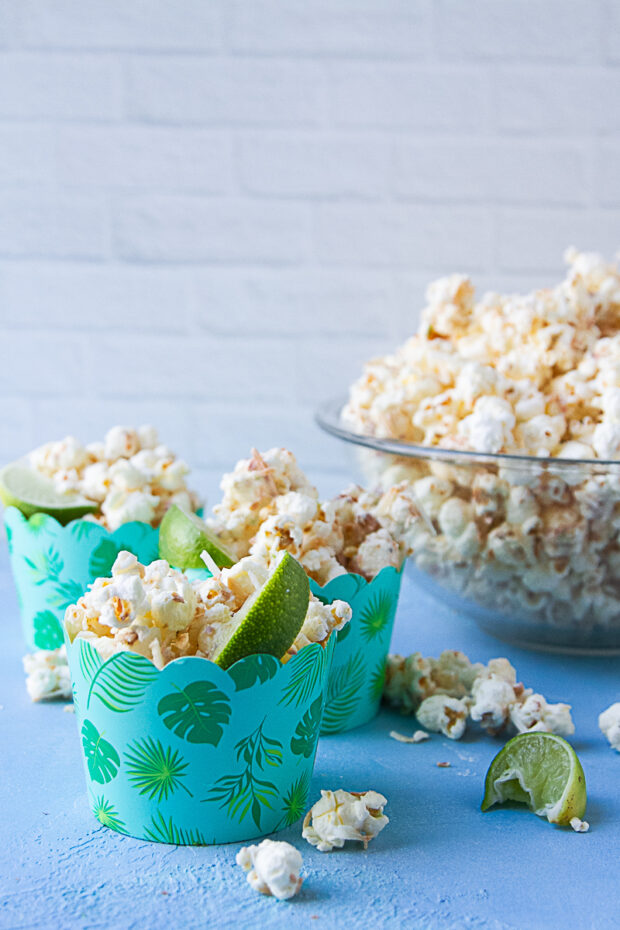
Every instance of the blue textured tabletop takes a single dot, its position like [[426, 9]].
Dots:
[[439, 864]]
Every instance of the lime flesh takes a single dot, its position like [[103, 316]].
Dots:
[[31, 492], [542, 771], [184, 536], [270, 620]]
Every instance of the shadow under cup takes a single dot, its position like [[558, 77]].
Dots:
[[192, 754], [53, 565]]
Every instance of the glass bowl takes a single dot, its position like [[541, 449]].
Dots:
[[537, 561]]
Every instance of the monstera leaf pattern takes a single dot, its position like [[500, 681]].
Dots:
[[47, 631], [358, 669], [103, 558], [193, 754], [101, 757], [196, 713]]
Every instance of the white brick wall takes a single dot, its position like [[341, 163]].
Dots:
[[211, 211]]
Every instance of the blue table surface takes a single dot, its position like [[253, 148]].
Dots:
[[439, 864]]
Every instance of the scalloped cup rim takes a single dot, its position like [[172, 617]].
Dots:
[[71, 647], [364, 581], [8, 516]]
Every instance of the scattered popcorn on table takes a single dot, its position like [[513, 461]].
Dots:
[[273, 868], [579, 826], [47, 675], [342, 815], [445, 693], [130, 475], [537, 374], [269, 505], [157, 612], [418, 737], [609, 723]]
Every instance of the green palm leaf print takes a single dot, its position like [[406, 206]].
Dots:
[[343, 693], [120, 682], [308, 667], [102, 558], [45, 566], [377, 681], [295, 800], [102, 758], [166, 831], [106, 814], [303, 743], [376, 615], [155, 771], [47, 630], [66, 593], [196, 713]]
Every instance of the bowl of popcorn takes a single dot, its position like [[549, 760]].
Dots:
[[345, 546], [494, 436], [199, 702], [71, 508]]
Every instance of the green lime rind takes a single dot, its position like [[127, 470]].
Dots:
[[184, 536], [272, 619], [24, 488], [542, 771]]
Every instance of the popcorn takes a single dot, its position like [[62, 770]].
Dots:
[[130, 475], [609, 723], [273, 868], [443, 714], [444, 693], [341, 815], [535, 375], [269, 506], [157, 612], [579, 826], [47, 674]]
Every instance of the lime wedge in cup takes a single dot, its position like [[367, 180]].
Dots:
[[184, 536], [31, 492], [271, 618], [542, 771]]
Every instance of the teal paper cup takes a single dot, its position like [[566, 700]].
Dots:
[[357, 674], [53, 565], [192, 754]]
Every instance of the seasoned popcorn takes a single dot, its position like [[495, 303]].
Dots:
[[445, 693], [47, 675], [157, 612], [538, 375], [269, 506], [418, 737], [342, 815], [579, 826], [130, 475], [273, 868], [609, 723]]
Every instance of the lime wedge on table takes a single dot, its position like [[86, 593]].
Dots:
[[183, 536], [31, 492], [271, 618], [541, 770]]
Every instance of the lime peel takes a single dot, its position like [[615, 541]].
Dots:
[[541, 770], [183, 537], [31, 492]]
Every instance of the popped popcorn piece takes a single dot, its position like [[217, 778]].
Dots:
[[47, 675], [157, 612], [130, 475], [443, 714], [269, 506], [417, 737], [535, 374], [342, 815], [273, 868], [579, 826], [609, 723], [444, 693]]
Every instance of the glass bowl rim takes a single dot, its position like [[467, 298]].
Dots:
[[328, 417]]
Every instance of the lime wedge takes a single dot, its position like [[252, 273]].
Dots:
[[271, 618], [31, 492], [183, 536], [541, 770]]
